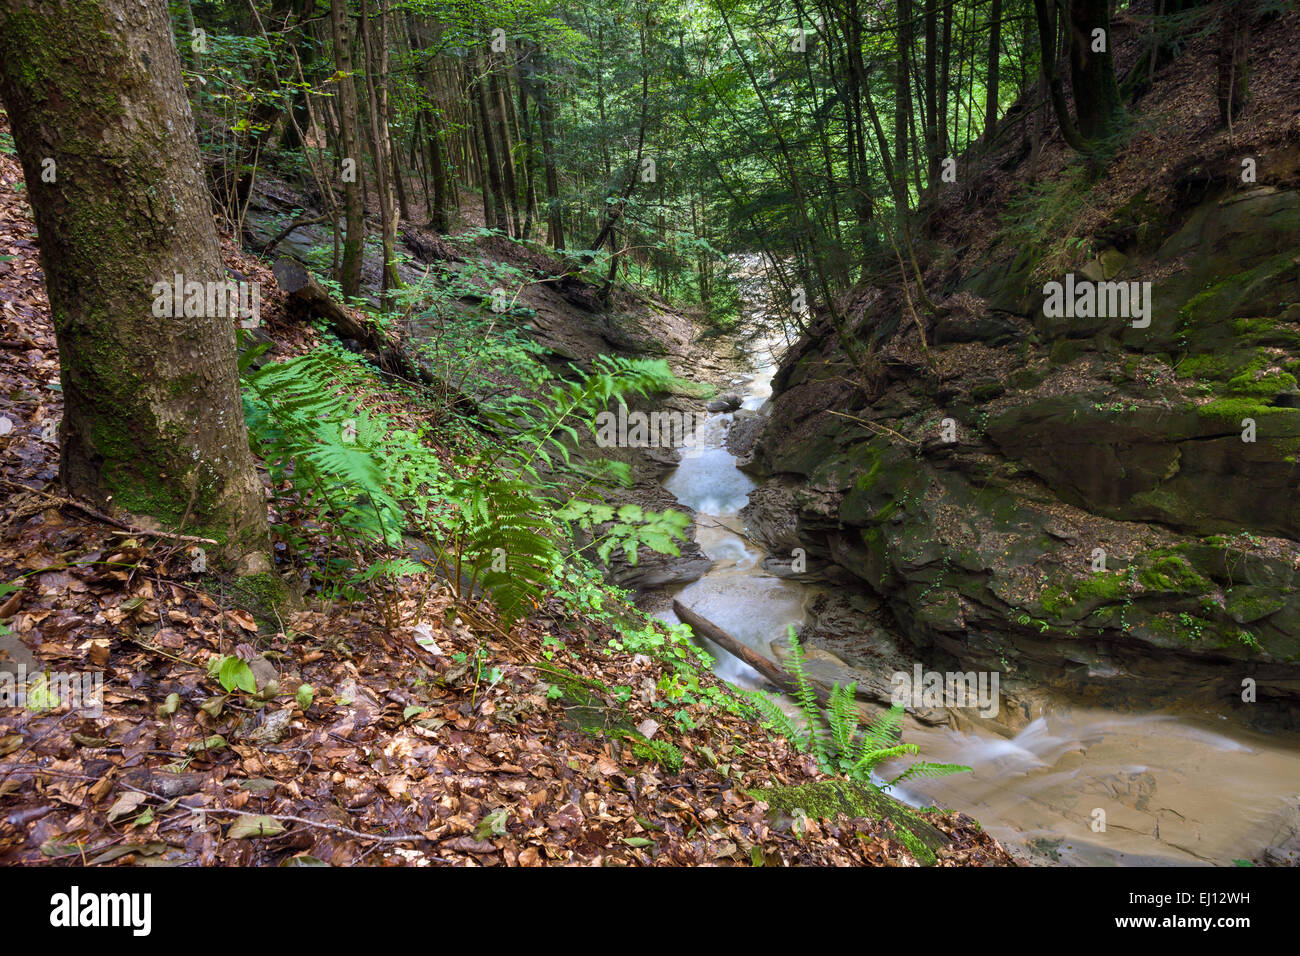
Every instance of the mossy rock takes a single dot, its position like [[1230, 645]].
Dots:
[[825, 799], [266, 596]]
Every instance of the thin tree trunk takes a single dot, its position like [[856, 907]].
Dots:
[[1052, 75], [490, 150], [351, 164], [991, 77], [507, 145], [376, 48], [902, 102], [932, 115]]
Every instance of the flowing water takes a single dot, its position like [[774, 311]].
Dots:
[[1174, 789]]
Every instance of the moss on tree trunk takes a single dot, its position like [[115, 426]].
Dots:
[[153, 425]]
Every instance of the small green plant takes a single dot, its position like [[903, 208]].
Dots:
[[233, 673], [839, 744]]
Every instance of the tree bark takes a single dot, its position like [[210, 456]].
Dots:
[[153, 426], [903, 102], [376, 50], [1052, 75], [499, 210], [354, 209], [933, 117], [1232, 62], [1092, 72], [991, 77], [546, 125]]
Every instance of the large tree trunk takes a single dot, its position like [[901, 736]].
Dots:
[[354, 209], [153, 425]]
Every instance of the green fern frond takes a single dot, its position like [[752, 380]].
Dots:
[[924, 769]]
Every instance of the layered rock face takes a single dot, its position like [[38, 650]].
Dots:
[[1105, 501]]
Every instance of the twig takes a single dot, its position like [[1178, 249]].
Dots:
[[100, 516], [878, 428], [282, 817]]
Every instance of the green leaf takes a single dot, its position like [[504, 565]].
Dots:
[[235, 674], [250, 828]]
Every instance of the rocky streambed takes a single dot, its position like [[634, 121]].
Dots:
[[1146, 712]]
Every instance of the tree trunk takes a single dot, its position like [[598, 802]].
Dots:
[[1046, 18], [903, 102], [153, 426], [1092, 71], [546, 124], [351, 161], [507, 145], [376, 50], [1233, 64], [991, 77], [933, 118], [530, 163], [499, 210]]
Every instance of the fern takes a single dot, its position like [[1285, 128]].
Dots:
[[775, 718], [501, 524], [834, 740]]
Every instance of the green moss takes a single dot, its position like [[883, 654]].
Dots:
[[587, 710], [1054, 600], [262, 595], [1174, 574], [826, 799], [1255, 381], [1233, 410], [987, 391], [1210, 365], [1248, 604], [1103, 586]]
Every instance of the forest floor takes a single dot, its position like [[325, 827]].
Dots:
[[423, 743]]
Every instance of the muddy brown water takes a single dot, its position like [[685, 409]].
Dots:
[[1078, 785]]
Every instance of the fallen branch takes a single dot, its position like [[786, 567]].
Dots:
[[283, 233], [769, 669], [107, 519], [283, 818], [308, 296], [879, 429]]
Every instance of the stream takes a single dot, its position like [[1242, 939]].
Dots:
[[1175, 788]]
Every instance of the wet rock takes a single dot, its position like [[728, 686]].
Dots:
[[1088, 437], [724, 403]]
